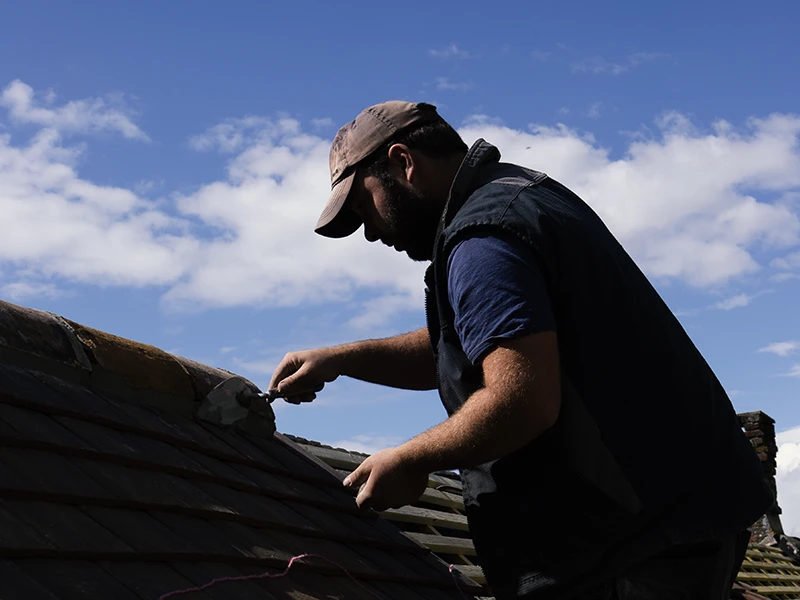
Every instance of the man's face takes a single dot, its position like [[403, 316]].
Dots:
[[399, 216]]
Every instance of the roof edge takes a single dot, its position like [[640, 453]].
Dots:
[[134, 371]]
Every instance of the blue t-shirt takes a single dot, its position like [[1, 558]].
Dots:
[[497, 293]]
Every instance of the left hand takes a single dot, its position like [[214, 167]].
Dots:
[[388, 479]]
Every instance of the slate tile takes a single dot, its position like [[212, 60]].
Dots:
[[331, 551], [267, 481], [140, 530], [252, 506], [218, 468], [20, 384], [38, 427], [67, 396], [242, 446], [18, 585], [390, 564], [131, 445], [143, 417], [149, 487], [259, 542], [76, 580], [151, 580], [398, 591], [66, 527], [11, 479], [200, 435], [18, 534], [291, 461], [203, 535], [301, 584], [203, 572], [52, 473]]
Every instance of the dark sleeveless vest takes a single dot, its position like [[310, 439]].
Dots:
[[617, 477]]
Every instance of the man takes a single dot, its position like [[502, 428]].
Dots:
[[599, 454]]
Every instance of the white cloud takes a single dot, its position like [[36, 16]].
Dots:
[[445, 84], [78, 116], [58, 225], [737, 301], [794, 371], [788, 479], [257, 247], [790, 261], [702, 230], [599, 65], [595, 109], [451, 51], [324, 123], [368, 444], [20, 291], [781, 348]]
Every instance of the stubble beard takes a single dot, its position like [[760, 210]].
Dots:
[[413, 218]]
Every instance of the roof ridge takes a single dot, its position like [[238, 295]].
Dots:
[[133, 371]]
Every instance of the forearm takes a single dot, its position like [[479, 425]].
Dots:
[[403, 361], [520, 401]]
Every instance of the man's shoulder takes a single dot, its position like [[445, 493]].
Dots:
[[504, 178]]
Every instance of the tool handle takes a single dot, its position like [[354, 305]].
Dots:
[[273, 394]]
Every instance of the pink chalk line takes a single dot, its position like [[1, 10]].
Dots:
[[205, 586]]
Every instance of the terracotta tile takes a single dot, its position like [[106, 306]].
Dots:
[[39, 333], [141, 365]]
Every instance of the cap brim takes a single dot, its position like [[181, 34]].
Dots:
[[336, 221]]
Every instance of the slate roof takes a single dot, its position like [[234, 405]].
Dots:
[[110, 488], [438, 522]]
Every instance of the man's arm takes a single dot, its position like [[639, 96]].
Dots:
[[521, 399], [403, 361]]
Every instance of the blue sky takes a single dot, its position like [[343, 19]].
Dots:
[[162, 166]]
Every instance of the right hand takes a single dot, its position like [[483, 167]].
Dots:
[[300, 372]]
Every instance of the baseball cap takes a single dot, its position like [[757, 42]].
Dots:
[[354, 142]]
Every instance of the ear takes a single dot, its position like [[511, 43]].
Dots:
[[401, 156]]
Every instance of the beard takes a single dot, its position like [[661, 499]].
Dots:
[[413, 218]]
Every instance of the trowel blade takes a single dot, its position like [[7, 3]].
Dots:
[[221, 406]]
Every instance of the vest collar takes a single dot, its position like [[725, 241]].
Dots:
[[480, 153]]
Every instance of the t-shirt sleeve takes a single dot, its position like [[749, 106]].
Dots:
[[497, 293]]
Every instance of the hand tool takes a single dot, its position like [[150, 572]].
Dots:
[[230, 400]]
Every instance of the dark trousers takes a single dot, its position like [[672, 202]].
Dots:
[[694, 572]]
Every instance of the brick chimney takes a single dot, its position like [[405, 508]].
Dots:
[[760, 430]]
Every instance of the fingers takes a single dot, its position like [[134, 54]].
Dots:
[[300, 398], [361, 478], [287, 367]]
